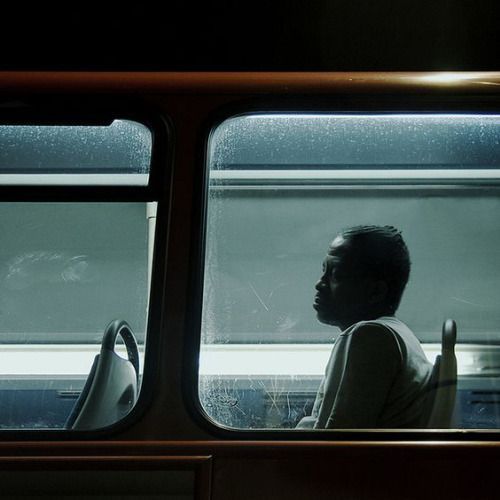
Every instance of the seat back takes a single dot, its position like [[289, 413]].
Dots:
[[443, 383], [110, 391]]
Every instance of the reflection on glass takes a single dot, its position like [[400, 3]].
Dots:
[[281, 187], [66, 271]]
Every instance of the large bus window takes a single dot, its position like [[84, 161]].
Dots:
[[280, 187], [75, 276]]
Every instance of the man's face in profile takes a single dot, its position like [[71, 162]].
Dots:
[[341, 293]]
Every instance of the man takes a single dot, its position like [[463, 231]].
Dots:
[[377, 373]]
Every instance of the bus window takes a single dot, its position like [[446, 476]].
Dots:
[[118, 153], [70, 268], [280, 187]]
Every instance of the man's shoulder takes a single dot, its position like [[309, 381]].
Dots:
[[381, 326], [368, 338], [372, 332], [388, 324]]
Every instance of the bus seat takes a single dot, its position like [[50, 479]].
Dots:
[[443, 383], [111, 388]]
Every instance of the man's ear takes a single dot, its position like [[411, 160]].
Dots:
[[379, 291]]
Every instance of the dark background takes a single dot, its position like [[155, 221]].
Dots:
[[327, 35]]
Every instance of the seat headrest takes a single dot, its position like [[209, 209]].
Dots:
[[449, 337]]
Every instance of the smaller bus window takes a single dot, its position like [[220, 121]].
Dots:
[[280, 189], [74, 277]]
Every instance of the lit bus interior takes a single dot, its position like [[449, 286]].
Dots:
[[280, 186]]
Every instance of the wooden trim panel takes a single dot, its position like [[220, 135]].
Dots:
[[200, 465], [486, 82], [203, 449], [285, 470]]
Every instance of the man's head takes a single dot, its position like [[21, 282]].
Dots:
[[364, 275]]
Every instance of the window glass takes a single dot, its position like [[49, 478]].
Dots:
[[281, 187], [69, 268], [74, 279], [115, 154]]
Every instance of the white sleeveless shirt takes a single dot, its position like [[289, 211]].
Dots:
[[376, 377]]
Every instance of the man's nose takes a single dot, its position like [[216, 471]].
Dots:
[[320, 284]]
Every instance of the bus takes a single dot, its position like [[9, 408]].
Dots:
[[162, 236]]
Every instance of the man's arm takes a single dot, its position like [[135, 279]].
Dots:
[[309, 421], [372, 361]]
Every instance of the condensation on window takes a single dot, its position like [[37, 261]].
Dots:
[[72, 274], [280, 186], [117, 153]]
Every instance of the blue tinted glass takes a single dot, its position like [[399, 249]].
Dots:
[[357, 141], [281, 187], [119, 153]]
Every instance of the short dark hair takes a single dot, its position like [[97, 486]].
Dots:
[[380, 252]]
